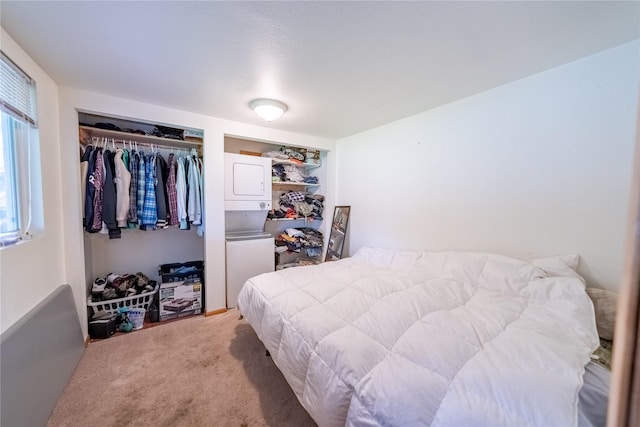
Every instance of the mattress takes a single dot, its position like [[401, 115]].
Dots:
[[422, 338]]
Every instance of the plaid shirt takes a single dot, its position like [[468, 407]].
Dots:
[[141, 185], [150, 208], [172, 192], [134, 160]]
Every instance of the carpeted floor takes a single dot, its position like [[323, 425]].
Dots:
[[199, 371]]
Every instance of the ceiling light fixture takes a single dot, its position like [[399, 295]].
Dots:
[[268, 109]]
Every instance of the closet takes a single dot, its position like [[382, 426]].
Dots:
[[137, 247], [298, 200]]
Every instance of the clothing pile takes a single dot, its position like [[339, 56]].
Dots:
[[300, 239], [295, 155], [159, 131], [127, 189], [118, 286], [290, 173], [298, 205]]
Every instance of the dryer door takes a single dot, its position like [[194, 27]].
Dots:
[[247, 178]]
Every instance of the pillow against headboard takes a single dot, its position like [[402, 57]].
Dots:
[[604, 302], [562, 266]]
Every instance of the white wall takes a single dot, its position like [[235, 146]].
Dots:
[[537, 167], [30, 271], [72, 100]]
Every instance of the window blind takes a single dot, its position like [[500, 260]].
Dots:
[[17, 92]]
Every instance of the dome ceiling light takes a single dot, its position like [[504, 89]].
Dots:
[[268, 109]]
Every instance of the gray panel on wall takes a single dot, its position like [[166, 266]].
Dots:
[[38, 356]]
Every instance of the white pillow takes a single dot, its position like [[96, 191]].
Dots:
[[604, 301], [559, 266]]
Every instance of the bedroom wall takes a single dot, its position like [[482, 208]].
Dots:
[[32, 270], [538, 167]]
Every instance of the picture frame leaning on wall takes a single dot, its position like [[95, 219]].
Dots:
[[338, 233]]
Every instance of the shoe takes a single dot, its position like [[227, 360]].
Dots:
[[97, 289]]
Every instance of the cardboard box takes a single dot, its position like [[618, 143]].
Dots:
[[180, 299], [194, 133], [312, 157], [250, 153], [174, 272]]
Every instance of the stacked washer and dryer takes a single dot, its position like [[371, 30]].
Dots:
[[248, 199]]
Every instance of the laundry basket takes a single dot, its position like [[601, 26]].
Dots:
[[142, 300]]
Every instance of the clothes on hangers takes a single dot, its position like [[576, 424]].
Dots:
[[142, 184], [109, 196], [134, 164], [123, 181], [97, 180], [181, 194], [125, 188], [84, 171], [161, 191], [194, 201], [149, 206], [172, 195], [201, 174]]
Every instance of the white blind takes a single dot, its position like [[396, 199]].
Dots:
[[17, 92]]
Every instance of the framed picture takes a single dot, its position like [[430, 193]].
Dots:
[[338, 233]]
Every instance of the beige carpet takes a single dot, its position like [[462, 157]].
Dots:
[[199, 371]]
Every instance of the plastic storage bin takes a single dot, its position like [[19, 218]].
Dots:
[[136, 317], [172, 272]]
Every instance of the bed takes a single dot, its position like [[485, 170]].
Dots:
[[389, 338]]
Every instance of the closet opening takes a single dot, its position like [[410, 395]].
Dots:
[[142, 202], [274, 208]]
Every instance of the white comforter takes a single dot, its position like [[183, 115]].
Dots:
[[444, 339]]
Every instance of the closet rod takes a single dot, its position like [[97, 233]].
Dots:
[[87, 134], [145, 143]]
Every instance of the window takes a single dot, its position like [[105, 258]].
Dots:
[[18, 132]]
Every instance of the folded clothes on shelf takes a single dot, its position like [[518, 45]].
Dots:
[[298, 205], [303, 238]]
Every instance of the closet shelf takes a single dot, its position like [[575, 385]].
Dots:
[[277, 161], [293, 184], [120, 136], [294, 219]]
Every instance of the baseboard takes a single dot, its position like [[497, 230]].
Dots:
[[214, 312]]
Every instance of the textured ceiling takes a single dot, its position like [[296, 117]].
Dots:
[[342, 67]]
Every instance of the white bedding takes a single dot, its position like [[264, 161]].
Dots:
[[418, 338]]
